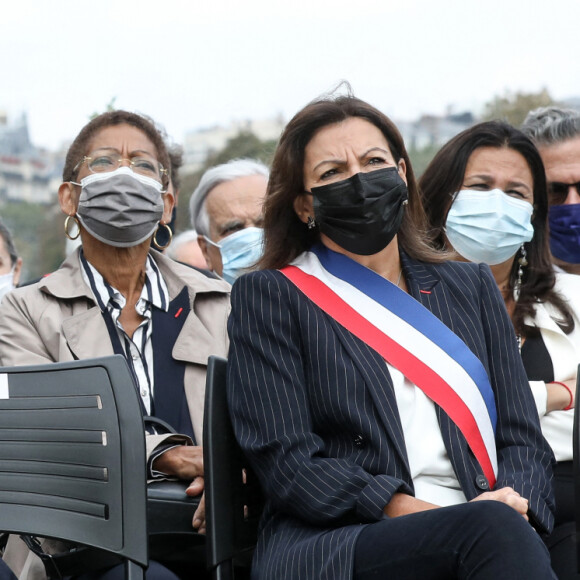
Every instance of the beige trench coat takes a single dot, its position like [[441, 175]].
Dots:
[[57, 319]]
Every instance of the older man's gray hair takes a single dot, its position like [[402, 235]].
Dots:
[[551, 125], [214, 177], [183, 238]]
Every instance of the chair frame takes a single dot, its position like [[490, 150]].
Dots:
[[233, 498]]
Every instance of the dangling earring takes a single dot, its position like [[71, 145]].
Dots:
[[522, 263], [169, 233], [67, 222], [311, 223]]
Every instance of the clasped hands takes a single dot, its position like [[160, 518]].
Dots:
[[402, 504]]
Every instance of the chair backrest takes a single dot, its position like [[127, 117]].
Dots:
[[233, 498], [72, 456]]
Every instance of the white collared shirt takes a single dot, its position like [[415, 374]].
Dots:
[[138, 351], [433, 475]]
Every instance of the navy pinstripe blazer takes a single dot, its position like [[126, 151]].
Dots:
[[315, 411]]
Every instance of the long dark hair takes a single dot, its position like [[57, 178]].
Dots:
[[285, 235], [444, 177]]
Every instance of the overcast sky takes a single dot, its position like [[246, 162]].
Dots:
[[191, 64]]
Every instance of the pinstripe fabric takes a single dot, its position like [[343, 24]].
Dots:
[[314, 409]]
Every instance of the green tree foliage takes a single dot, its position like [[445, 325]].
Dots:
[[513, 107], [420, 158], [38, 235], [244, 145], [110, 106]]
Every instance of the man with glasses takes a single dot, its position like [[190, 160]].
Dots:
[[556, 133]]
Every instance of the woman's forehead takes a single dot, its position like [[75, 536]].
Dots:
[[122, 138], [355, 133]]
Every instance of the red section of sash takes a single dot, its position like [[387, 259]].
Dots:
[[413, 368]]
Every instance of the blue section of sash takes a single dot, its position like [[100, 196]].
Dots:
[[414, 313]]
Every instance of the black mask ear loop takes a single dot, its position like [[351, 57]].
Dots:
[[403, 176], [310, 219]]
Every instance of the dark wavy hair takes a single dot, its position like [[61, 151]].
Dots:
[[286, 236], [80, 145], [444, 177]]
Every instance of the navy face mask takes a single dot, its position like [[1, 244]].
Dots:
[[565, 232], [363, 213]]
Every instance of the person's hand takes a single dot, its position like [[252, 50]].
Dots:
[[183, 462], [199, 515], [508, 496], [559, 396], [402, 504]]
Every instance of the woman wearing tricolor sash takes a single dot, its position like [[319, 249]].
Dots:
[[376, 387]]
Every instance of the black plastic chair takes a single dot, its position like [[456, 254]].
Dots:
[[233, 498], [72, 460]]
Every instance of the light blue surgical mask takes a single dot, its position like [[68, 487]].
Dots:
[[488, 226], [240, 251]]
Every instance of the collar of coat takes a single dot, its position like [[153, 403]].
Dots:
[[197, 339], [176, 276]]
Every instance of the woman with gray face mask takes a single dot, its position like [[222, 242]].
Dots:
[[115, 295]]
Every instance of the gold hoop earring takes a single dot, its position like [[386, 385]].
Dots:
[[169, 233], [67, 222]]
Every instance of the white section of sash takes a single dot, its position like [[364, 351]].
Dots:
[[4, 386], [413, 341]]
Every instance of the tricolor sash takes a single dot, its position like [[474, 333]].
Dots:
[[409, 337]]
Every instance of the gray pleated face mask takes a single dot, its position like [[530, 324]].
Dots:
[[120, 208]]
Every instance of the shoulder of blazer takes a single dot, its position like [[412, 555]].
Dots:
[[426, 275], [448, 269], [247, 286], [259, 277], [568, 286], [266, 289]]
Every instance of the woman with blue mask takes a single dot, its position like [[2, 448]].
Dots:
[[485, 197], [117, 295]]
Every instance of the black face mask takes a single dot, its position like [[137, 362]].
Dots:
[[362, 214]]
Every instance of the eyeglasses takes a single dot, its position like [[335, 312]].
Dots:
[[139, 164], [558, 192]]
